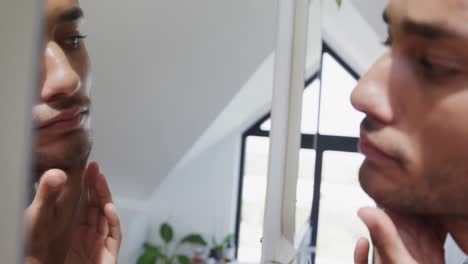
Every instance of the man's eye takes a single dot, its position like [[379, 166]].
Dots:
[[73, 42], [433, 70]]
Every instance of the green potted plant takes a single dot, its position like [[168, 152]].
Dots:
[[218, 250], [168, 252]]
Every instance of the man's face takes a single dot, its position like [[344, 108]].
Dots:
[[61, 111], [415, 134]]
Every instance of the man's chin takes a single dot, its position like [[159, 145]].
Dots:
[[63, 152], [390, 195], [384, 192]]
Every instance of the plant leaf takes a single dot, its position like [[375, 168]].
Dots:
[[227, 240], [146, 259], [166, 232], [194, 239], [148, 246], [150, 255], [218, 248], [339, 2], [183, 259]]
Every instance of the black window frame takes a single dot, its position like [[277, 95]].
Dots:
[[319, 143]]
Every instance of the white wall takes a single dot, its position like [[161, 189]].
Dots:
[[200, 196], [134, 224]]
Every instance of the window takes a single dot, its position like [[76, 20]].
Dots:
[[254, 175], [328, 193], [337, 115], [253, 198], [305, 187], [254, 193], [309, 110], [341, 197]]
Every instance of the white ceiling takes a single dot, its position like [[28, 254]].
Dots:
[[163, 71]]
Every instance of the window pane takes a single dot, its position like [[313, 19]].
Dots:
[[266, 126], [337, 115], [309, 110], [254, 193], [341, 196], [305, 187], [310, 103], [253, 199]]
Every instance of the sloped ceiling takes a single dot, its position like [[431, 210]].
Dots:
[[371, 11], [163, 71]]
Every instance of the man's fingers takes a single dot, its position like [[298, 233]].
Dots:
[[93, 169], [73, 198], [384, 235], [98, 188], [115, 232], [109, 222], [102, 191], [86, 198], [361, 252], [103, 228], [90, 177], [50, 187]]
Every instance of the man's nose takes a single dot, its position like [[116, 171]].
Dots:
[[60, 80], [371, 95]]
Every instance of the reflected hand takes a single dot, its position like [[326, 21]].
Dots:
[[400, 238], [98, 236], [48, 218]]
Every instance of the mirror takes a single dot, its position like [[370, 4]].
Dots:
[[175, 87], [182, 93], [175, 84]]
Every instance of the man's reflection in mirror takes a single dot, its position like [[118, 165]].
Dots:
[[71, 218]]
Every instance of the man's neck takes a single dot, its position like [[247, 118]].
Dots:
[[458, 229]]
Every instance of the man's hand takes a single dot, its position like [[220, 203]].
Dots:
[[48, 218], [98, 236], [400, 238]]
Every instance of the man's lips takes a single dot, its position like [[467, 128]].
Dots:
[[66, 120], [371, 150]]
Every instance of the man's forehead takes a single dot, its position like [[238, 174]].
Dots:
[[449, 15], [434, 5], [57, 8]]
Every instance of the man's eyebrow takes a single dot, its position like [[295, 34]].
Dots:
[[427, 30], [430, 31], [71, 15], [385, 17]]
